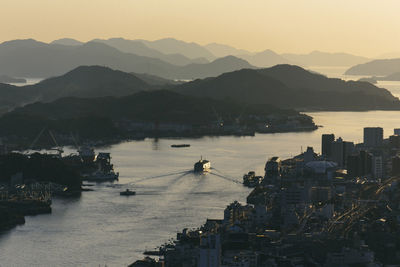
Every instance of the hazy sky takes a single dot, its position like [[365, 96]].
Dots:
[[363, 27]]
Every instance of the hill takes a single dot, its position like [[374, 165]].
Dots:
[[160, 112], [379, 67], [159, 105], [67, 41], [173, 46], [84, 81], [267, 58], [140, 48], [222, 50], [214, 68], [29, 58], [87, 82], [155, 80], [317, 58], [292, 87]]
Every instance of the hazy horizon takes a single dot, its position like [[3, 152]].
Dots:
[[364, 28]]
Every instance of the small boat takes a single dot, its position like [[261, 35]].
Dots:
[[202, 165], [251, 180], [180, 145], [127, 192]]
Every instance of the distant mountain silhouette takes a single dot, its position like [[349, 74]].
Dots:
[[87, 82], [214, 68], [267, 58], [221, 50], [173, 46], [379, 67], [284, 86], [317, 58], [67, 41], [29, 58], [84, 81], [141, 49], [291, 87]]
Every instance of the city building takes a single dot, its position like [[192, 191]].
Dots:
[[373, 136], [377, 167], [396, 165], [394, 141], [326, 148], [210, 251], [309, 155], [340, 150], [272, 170], [360, 164]]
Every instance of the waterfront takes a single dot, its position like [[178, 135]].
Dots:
[[102, 227]]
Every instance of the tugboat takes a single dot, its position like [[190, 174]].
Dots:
[[251, 180], [202, 165], [127, 192]]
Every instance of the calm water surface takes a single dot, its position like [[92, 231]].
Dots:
[[102, 228]]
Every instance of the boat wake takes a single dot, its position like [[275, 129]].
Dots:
[[162, 176], [223, 176]]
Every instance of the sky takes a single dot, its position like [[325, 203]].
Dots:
[[361, 27]]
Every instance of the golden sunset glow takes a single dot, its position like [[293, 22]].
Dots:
[[367, 28]]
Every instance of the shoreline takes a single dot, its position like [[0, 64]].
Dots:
[[105, 142]]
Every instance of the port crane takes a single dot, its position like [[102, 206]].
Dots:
[[56, 148]]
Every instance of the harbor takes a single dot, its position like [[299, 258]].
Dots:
[[343, 199], [126, 227]]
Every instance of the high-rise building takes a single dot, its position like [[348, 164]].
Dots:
[[359, 165], [396, 166], [337, 152], [326, 148], [377, 167], [373, 136], [394, 141], [340, 150]]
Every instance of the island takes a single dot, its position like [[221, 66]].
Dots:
[[159, 113]]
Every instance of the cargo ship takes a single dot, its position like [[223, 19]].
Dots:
[[202, 165]]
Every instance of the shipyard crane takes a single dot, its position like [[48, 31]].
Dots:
[[57, 147]]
